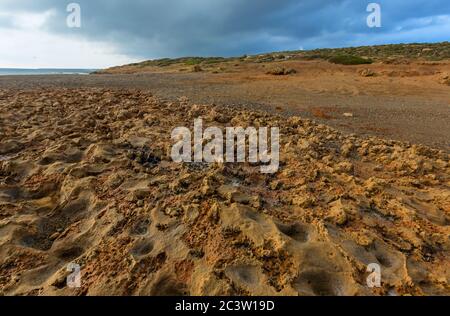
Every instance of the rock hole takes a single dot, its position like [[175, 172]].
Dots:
[[142, 248], [383, 260], [296, 231], [320, 283], [70, 253]]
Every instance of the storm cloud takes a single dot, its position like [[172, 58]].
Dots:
[[138, 29]]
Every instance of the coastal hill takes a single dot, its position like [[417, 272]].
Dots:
[[388, 54]]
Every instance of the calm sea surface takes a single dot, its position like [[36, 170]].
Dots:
[[17, 71]]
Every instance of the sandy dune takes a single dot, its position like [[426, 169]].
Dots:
[[85, 177]]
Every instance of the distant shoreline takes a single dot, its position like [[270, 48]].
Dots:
[[44, 71]]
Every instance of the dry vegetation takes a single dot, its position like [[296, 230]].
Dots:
[[396, 53]]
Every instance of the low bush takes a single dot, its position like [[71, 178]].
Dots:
[[349, 60], [281, 71]]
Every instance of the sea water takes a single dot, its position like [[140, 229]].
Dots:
[[44, 71]]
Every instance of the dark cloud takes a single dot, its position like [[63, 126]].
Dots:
[[156, 28]]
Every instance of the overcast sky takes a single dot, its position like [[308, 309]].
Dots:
[[34, 33]]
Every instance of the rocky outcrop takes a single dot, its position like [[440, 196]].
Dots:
[[86, 178]]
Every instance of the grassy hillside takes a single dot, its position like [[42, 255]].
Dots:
[[395, 53]]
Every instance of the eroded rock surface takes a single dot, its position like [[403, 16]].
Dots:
[[86, 177]]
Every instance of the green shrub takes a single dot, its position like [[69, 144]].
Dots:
[[281, 71], [193, 61], [197, 68], [315, 56], [165, 62], [213, 60], [349, 60]]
